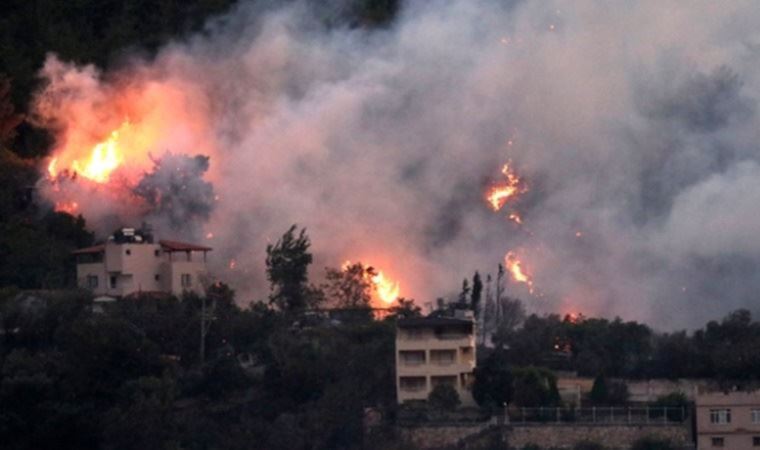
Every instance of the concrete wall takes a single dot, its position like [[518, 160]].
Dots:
[[612, 436], [559, 436], [439, 436]]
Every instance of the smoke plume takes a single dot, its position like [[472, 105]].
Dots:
[[634, 126]]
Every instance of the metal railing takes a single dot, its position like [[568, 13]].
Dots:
[[638, 415]]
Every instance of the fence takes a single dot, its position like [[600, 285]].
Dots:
[[639, 415]]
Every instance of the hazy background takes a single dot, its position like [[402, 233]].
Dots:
[[633, 124]]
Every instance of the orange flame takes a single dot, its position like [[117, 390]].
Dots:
[[104, 157], [386, 290], [515, 268], [500, 194], [514, 217]]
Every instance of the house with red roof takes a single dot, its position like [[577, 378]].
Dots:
[[130, 262]]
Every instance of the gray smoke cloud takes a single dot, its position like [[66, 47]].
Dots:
[[634, 125]]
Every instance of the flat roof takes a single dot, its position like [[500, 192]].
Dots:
[[88, 250], [167, 246], [176, 246]]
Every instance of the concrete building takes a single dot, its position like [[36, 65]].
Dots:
[[729, 420], [432, 351], [130, 262]]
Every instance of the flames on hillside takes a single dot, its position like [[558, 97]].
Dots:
[[503, 195]]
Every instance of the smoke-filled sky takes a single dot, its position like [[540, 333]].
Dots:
[[633, 124]]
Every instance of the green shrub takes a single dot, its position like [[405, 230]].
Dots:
[[444, 397]]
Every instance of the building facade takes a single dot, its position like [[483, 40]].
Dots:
[[130, 262], [432, 351], [729, 420]]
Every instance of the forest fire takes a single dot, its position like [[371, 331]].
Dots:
[[517, 271]]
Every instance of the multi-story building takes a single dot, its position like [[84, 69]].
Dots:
[[130, 262], [432, 351], [729, 420]]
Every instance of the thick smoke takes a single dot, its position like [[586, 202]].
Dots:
[[178, 198], [635, 126]]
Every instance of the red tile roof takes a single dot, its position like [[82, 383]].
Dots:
[[175, 246], [88, 250]]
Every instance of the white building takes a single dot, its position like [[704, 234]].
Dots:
[[130, 262], [432, 351]]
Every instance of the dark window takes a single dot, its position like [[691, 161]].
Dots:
[[157, 252], [157, 277], [717, 442], [92, 281], [113, 281], [756, 441], [128, 252], [186, 280]]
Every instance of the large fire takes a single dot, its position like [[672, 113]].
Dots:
[[97, 163], [109, 131], [517, 271]]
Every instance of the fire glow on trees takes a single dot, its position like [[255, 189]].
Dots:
[[383, 288]]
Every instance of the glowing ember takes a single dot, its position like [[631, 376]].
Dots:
[[500, 194], [232, 264], [578, 234], [514, 217], [515, 268], [209, 235]]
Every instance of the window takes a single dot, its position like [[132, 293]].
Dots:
[[128, 252], [92, 281], [412, 384], [717, 441], [756, 441], [157, 277], [720, 416], [413, 358], [756, 416], [443, 357], [113, 281], [157, 253], [186, 280]]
